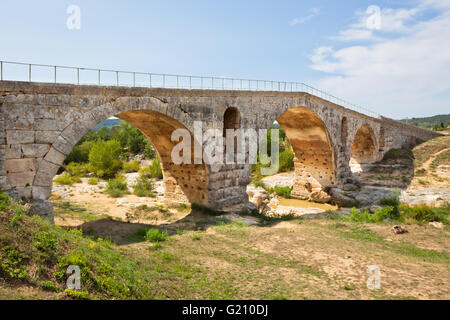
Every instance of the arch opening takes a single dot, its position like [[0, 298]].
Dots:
[[364, 148], [182, 184], [314, 156]]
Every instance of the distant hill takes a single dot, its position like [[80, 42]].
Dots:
[[429, 122], [107, 123]]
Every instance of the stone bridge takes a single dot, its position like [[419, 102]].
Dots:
[[41, 123]]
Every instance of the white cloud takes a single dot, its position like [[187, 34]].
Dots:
[[312, 13], [406, 74]]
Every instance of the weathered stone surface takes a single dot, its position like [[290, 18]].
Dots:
[[13, 151], [46, 136], [35, 150], [54, 156], [43, 208], [339, 197], [20, 165], [21, 179], [19, 136]]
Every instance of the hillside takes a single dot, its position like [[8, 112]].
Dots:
[[107, 123], [429, 122]]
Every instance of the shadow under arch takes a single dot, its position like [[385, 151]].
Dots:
[[314, 155], [185, 182], [364, 148]]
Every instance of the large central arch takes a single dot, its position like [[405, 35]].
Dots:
[[314, 154]]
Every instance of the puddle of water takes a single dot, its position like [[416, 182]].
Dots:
[[305, 204]]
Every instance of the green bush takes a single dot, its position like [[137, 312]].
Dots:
[[425, 214], [77, 169], [392, 201], [93, 181], [144, 187], [66, 179], [104, 158], [116, 188], [286, 160], [154, 235], [80, 153], [132, 166], [366, 216], [155, 169], [284, 192], [49, 286]]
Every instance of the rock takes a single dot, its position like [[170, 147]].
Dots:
[[339, 198], [399, 230], [320, 197], [274, 202], [43, 208], [350, 187], [437, 225]]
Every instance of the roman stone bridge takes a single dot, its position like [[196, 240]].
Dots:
[[41, 123]]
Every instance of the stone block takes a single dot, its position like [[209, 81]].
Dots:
[[21, 179], [13, 151], [46, 136], [19, 136], [54, 156], [20, 165], [41, 193], [35, 150], [45, 174]]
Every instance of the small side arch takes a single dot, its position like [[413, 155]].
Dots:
[[364, 148]]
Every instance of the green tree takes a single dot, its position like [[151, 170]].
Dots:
[[104, 158]]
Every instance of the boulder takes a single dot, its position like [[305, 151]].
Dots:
[[437, 225], [43, 208], [320, 197], [399, 230], [339, 197]]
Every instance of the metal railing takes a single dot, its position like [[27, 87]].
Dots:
[[58, 74]]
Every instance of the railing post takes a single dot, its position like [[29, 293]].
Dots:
[[177, 82], [117, 78], [190, 82], [29, 72], [55, 74], [99, 77], [78, 76], [164, 80], [223, 83], [134, 79], [201, 83], [1, 70], [150, 79]]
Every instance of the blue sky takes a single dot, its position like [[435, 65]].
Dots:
[[400, 69]]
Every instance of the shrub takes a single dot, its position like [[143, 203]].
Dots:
[[284, 192], [66, 179], [132, 166], [392, 201], [366, 216], [398, 154], [49, 286], [425, 214], [144, 187], [104, 158], [116, 188], [154, 235], [80, 153], [155, 169], [77, 169], [93, 181], [286, 160]]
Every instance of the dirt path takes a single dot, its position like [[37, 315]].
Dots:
[[426, 164]]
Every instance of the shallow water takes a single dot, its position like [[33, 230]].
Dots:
[[305, 204]]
